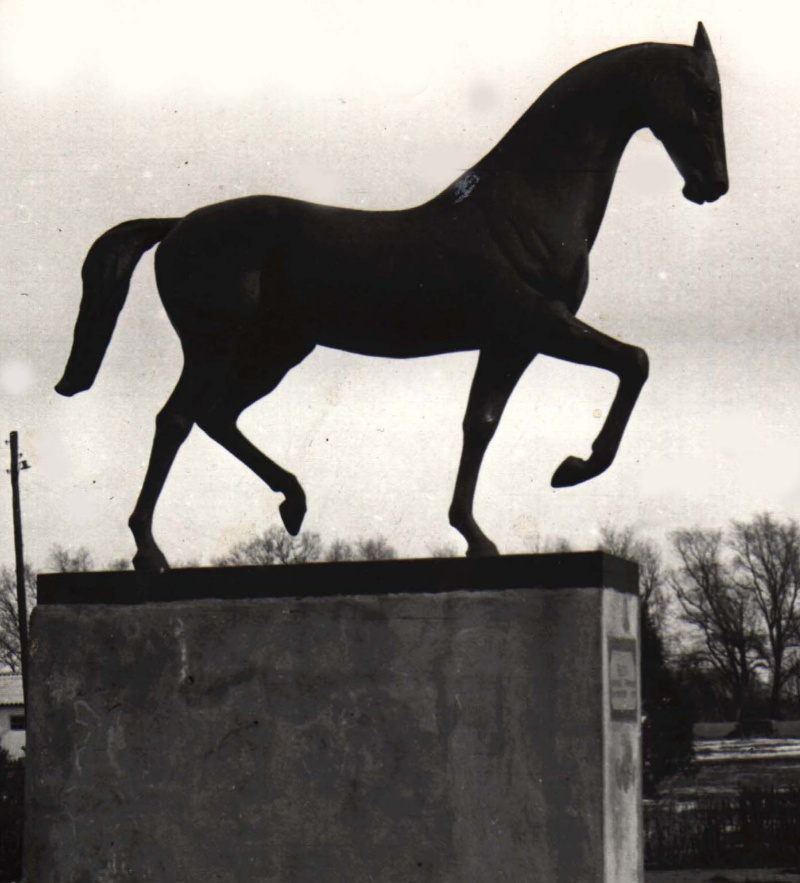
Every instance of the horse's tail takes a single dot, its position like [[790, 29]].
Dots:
[[106, 273]]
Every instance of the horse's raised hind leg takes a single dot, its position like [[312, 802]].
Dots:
[[223, 429], [173, 425], [570, 339], [218, 421], [495, 378]]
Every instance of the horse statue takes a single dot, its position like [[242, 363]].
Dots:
[[498, 262]]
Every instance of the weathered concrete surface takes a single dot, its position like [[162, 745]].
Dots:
[[464, 737]]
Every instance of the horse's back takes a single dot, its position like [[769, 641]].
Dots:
[[430, 279], [379, 282]]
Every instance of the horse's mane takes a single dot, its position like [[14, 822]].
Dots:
[[578, 84]]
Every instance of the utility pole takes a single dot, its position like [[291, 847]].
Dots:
[[22, 603]]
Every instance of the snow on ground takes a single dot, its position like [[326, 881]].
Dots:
[[726, 750], [723, 766]]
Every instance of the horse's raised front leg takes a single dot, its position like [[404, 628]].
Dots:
[[570, 339], [495, 378]]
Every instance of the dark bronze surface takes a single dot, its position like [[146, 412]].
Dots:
[[498, 262]]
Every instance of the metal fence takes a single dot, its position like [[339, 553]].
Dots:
[[753, 827]]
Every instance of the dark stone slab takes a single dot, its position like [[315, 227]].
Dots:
[[572, 570]]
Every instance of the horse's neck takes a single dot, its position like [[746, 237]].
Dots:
[[566, 148]]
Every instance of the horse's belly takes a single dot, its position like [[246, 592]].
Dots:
[[387, 322], [398, 297]]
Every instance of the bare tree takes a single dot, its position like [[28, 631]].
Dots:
[[61, 559], [447, 550], [371, 549], [792, 686], [340, 550], [767, 566], [10, 656], [274, 546], [296, 550], [720, 610], [375, 549], [626, 543], [538, 544]]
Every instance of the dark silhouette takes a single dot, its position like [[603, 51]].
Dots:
[[740, 591], [766, 566], [10, 647], [723, 614], [12, 812], [498, 263]]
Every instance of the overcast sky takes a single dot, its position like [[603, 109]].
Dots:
[[144, 108]]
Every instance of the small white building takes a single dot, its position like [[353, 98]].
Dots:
[[12, 714]]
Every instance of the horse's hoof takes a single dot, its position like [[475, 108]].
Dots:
[[483, 549], [292, 512], [153, 561], [571, 472]]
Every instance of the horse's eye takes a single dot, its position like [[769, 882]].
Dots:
[[709, 100]]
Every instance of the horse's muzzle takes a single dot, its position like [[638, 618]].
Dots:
[[719, 188], [699, 192]]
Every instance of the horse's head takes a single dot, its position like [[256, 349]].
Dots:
[[685, 113]]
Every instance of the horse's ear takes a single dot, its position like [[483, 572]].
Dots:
[[701, 41]]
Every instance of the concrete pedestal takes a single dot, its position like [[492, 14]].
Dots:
[[442, 721]]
